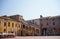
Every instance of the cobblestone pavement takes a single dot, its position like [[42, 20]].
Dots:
[[35, 37]]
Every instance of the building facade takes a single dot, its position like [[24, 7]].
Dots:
[[50, 25], [9, 26], [16, 25]]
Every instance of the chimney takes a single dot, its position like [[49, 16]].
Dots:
[[41, 16]]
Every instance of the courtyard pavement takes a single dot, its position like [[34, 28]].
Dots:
[[34, 37]]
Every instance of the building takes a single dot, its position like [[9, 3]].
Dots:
[[50, 25], [34, 27], [16, 25], [10, 25]]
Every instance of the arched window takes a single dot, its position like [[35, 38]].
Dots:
[[37, 30], [33, 29], [29, 27]]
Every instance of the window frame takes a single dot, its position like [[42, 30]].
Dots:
[[5, 23], [8, 23], [12, 24], [53, 23]]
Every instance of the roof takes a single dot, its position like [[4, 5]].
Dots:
[[16, 15], [50, 17], [8, 18], [31, 24]]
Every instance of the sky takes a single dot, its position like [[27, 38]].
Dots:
[[30, 9]]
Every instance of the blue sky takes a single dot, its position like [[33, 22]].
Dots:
[[30, 9]]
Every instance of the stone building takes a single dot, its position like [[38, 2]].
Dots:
[[50, 25]]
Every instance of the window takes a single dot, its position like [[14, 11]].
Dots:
[[33, 29], [53, 23], [8, 23], [47, 24], [0, 23], [23, 26], [4, 30], [33, 21], [19, 25], [12, 24], [16, 25], [5, 23], [41, 24], [54, 28], [29, 27], [37, 30]]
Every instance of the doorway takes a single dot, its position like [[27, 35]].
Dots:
[[44, 31]]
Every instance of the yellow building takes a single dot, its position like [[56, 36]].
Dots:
[[16, 25], [9, 26]]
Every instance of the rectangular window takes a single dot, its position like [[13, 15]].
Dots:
[[8, 23], [53, 23], [12, 24], [41, 24], [5, 23], [15, 25], [23, 26], [0, 23], [4, 30], [47, 24]]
